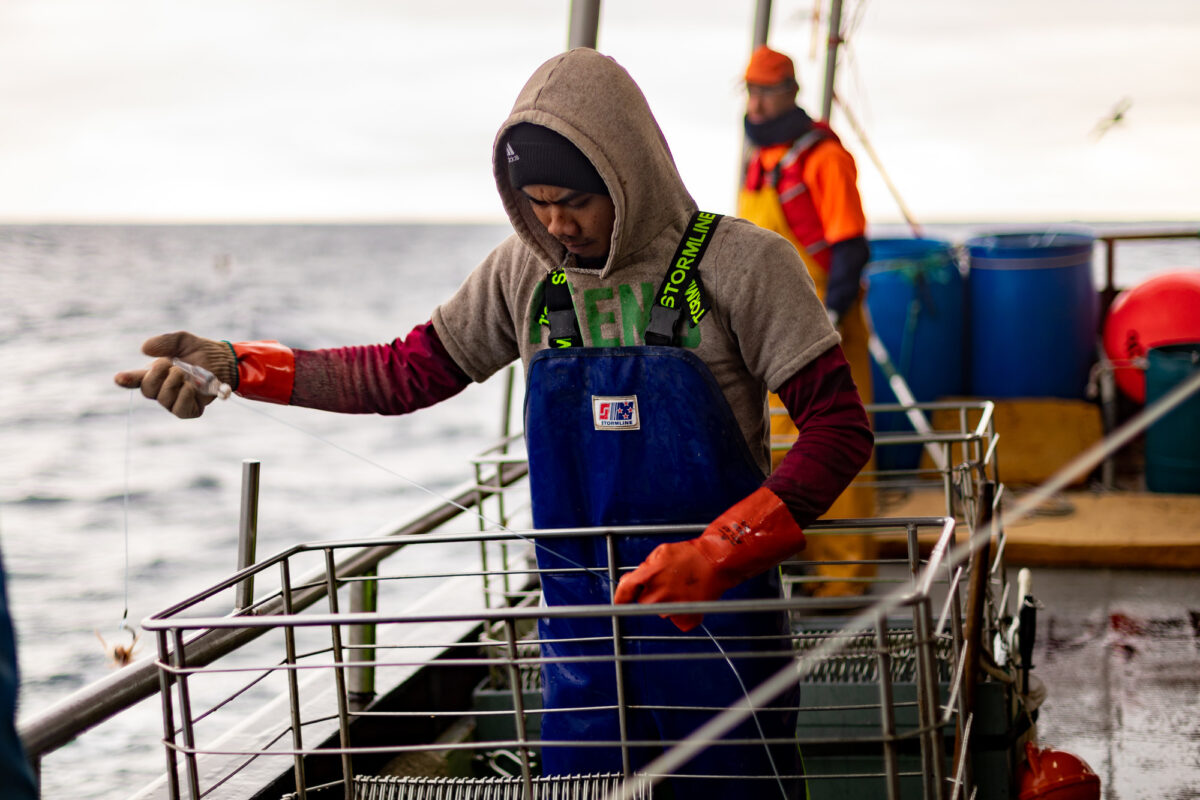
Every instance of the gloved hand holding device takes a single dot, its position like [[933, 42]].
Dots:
[[256, 370]]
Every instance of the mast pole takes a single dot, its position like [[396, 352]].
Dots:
[[762, 27], [762, 22], [831, 48], [585, 21]]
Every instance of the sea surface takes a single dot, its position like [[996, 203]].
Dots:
[[112, 508]]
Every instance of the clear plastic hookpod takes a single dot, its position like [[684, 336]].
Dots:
[[204, 381]]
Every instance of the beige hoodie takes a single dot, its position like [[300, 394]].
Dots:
[[765, 321]]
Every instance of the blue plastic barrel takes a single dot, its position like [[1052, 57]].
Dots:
[[916, 296], [1173, 441], [1033, 314]]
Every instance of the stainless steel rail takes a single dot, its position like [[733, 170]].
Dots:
[[1109, 292], [966, 442], [204, 762], [54, 727]]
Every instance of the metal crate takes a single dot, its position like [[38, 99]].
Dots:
[[958, 453], [371, 703]]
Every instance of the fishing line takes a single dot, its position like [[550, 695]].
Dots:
[[125, 509], [432, 493], [602, 576], [753, 712]]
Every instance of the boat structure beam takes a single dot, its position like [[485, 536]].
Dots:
[[584, 24]]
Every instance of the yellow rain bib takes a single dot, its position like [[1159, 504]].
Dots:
[[858, 501]]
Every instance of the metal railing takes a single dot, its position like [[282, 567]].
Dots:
[[961, 433], [47, 731], [323, 742], [1109, 291]]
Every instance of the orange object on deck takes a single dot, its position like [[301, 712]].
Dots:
[[1056, 775], [1161, 310]]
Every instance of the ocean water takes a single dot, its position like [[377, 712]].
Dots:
[[92, 482], [109, 503]]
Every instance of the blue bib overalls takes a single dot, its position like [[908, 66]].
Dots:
[[644, 436]]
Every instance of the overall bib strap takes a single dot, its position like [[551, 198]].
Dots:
[[559, 311], [681, 295], [801, 147]]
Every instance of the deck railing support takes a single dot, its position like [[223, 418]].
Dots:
[[364, 597], [247, 531], [293, 681], [887, 709], [339, 676]]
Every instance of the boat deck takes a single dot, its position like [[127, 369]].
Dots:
[[1119, 653], [1118, 529]]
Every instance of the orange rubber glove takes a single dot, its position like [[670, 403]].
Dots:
[[256, 370], [266, 371], [749, 538]]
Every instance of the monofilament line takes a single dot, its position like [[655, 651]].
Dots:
[[125, 506], [371, 462]]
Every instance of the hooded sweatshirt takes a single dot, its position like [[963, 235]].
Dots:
[[765, 327], [765, 321]]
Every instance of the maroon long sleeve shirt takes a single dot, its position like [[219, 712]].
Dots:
[[834, 442]]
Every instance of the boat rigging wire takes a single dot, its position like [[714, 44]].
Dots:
[[874, 156], [842, 40], [814, 37]]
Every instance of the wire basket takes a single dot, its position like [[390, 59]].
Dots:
[[443, 698]]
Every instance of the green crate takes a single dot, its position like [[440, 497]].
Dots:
[[843, 750], [503, 727]]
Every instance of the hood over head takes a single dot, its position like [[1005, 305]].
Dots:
[[592, 101]]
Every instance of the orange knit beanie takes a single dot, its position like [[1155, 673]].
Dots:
[[768, 67]]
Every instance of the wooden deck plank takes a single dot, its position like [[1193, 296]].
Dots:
[[1090, 529]]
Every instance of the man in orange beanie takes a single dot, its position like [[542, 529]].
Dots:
[[801, 183]]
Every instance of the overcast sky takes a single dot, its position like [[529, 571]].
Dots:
[[265, 110]]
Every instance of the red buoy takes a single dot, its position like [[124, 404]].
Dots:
[[1162, 310], [1056, 775]]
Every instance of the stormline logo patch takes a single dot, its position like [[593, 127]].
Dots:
[[616, 413]]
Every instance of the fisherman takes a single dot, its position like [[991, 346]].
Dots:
[[802, 183], [640, 409]]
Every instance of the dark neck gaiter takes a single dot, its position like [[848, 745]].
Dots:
[[787, 127]]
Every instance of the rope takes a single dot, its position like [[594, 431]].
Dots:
[[862, 138]]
